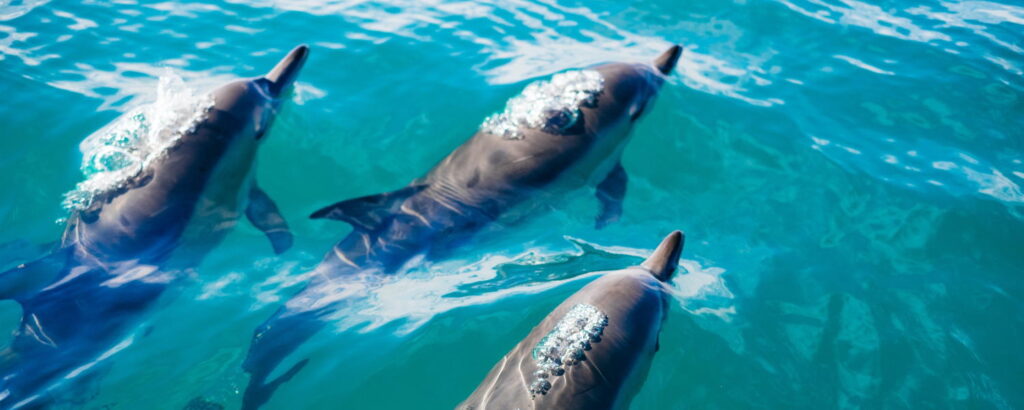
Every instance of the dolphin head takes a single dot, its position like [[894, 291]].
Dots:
[[227, 139], [630, 87], [254, 102]]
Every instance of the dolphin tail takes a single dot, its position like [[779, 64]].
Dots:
[[663, 262], [28, 278], [272, 342], [369, 212]]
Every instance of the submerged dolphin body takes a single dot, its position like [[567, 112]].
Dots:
[[594, 350], [121, 252], [555, 137]]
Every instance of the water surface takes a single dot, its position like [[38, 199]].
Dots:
[[848, 174]]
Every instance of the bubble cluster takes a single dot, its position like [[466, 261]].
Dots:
[[552, 105], [565, 344], [123, 148]]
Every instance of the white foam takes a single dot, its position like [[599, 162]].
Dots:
[[123, 148]]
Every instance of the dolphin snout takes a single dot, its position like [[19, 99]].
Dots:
[[667, 60], [287, 70]]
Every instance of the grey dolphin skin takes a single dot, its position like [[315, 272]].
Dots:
[[557, 136], [120, 253], [594, 350]]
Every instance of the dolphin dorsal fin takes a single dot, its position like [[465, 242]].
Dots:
[[368, 212], [667, 60], [662, 263]]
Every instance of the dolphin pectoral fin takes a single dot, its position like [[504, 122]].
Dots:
[[31, 277], [663, 262], [263, 214], [368, 212], [611, 192]]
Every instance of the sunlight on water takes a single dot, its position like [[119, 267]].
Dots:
[[849, 174]]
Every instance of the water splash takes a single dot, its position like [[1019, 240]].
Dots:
[[431, 288], [122, 149], [552, 105]]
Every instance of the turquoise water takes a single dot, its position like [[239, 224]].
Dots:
[[848, 174]]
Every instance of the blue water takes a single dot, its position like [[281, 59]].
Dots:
[[848, 174]]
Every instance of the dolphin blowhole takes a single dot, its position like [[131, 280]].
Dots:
[[552, 105], [565, 344]]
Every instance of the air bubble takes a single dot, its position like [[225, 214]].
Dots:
[[564, 346]]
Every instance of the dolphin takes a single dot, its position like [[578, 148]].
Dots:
[[119, 253], [594, 350], [557, 136]]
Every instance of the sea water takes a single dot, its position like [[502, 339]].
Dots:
[[848, 174]]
